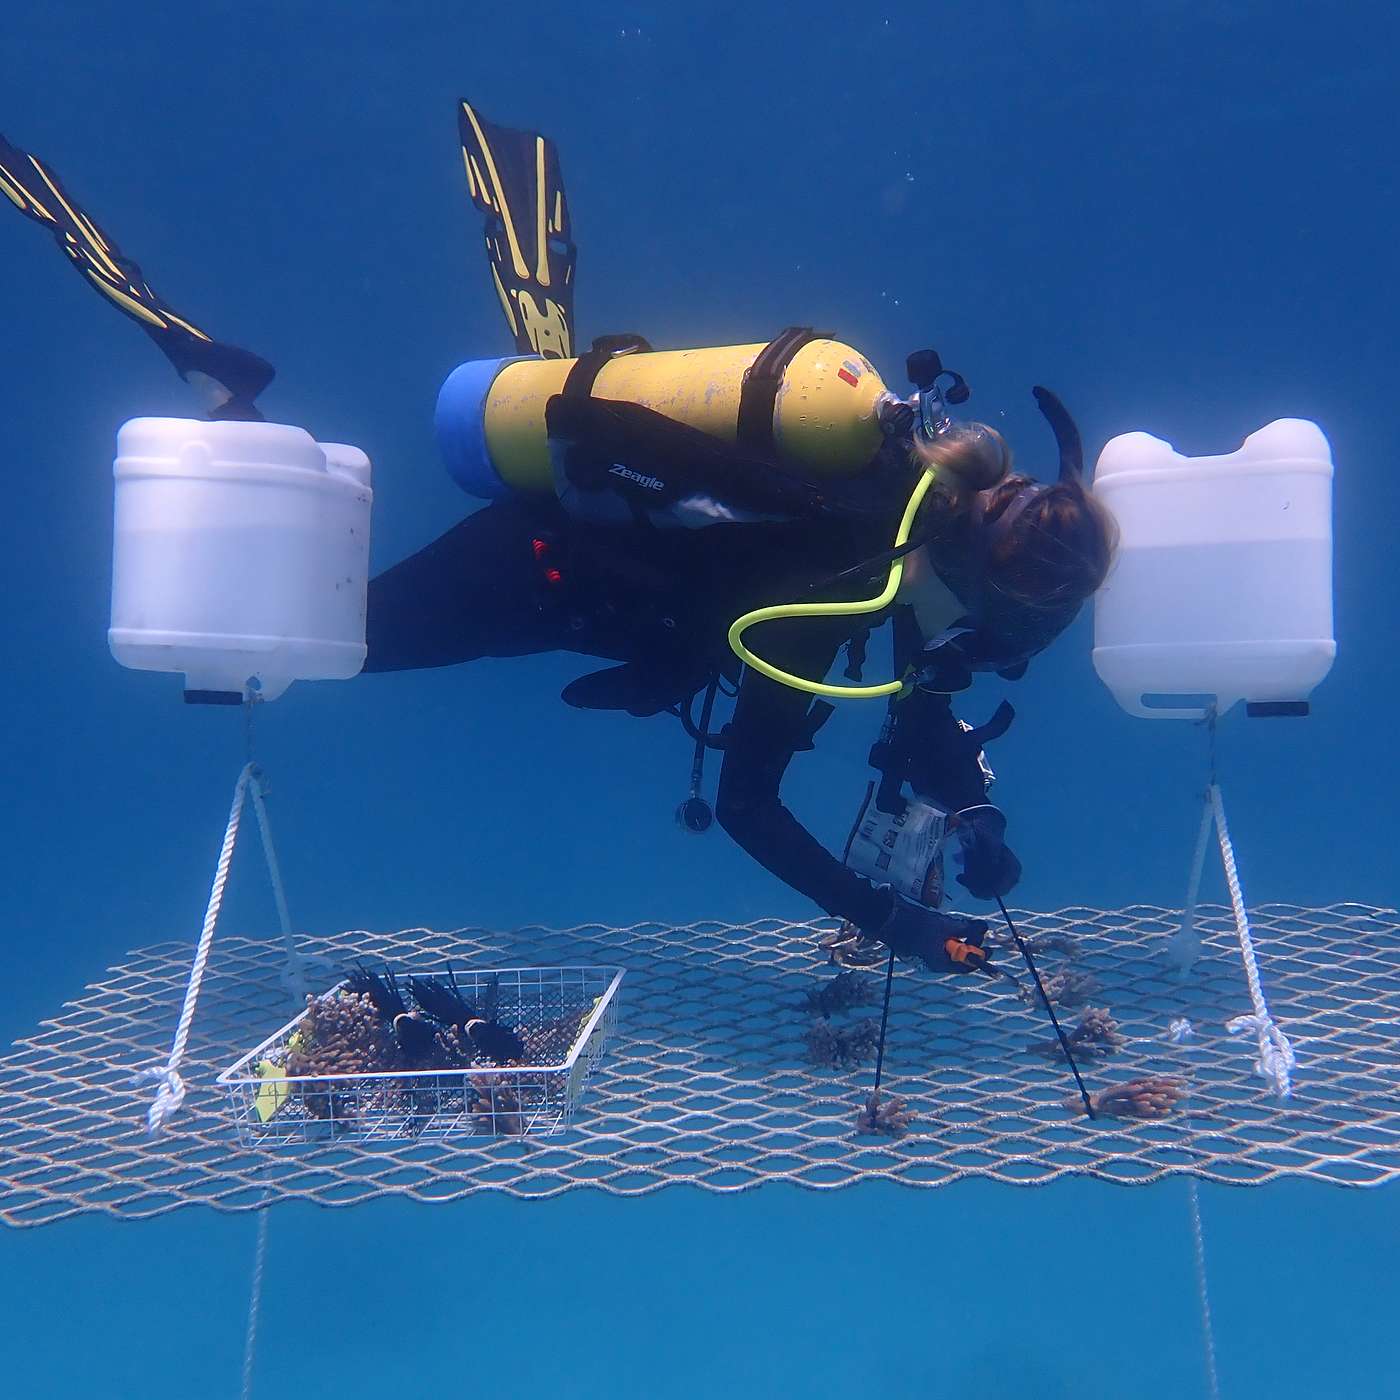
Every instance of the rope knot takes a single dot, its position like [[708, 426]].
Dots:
[[1276, 1060], [170, 1095]]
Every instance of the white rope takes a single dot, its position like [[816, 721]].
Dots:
[[250, 1340], [284, 918], [1182, 1035], [299, 972], [1181, 1031], [1202, 1292], [1276, 1059], [1184, 946], [170, 1090]]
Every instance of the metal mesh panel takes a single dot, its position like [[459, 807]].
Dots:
[[708, 1081]]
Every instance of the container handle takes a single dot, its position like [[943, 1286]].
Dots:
[[1136, 706]]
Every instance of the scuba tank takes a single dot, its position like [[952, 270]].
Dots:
[[803, 400]]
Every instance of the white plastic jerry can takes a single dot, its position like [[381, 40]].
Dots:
[[241, 556], [1222, 589]]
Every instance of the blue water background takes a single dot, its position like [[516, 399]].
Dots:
[[1182, 217]]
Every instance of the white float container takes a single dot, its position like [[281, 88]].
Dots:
[[241, 556], [1223, 582]]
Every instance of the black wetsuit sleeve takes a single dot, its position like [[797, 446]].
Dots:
[[771, 723], [935, 754]]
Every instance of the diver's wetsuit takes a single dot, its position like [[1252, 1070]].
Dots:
[[661, 602]]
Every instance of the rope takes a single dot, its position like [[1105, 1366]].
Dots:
[[170, 1088], [250, 1340], [299, 972], [1182, 1036], [273, 869], [1181, 1031], [1184, 946], [1276, 1059], [1203, 1293]]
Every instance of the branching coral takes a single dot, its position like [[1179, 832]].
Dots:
[[1095, 1036], [1153, 1096], [834, 1047], [547, 1044], [847, 947], [341, 1033], [455, 1048], [1042, 943], [497, 1109], [885, 1117], [1065, 987], [844, 992]]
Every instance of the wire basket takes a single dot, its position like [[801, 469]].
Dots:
[[564, 1015]]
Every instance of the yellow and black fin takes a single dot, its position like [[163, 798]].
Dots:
[[513, 177], [228, 379]]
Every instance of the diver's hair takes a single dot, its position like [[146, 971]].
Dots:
[[1058, 551], [965, 462]]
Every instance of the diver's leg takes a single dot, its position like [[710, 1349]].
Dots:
[[473, 592]]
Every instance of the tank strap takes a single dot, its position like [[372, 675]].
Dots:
[[578, 384], [589, 365], [762, 380]]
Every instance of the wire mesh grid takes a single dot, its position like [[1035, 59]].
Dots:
[[709, 1083], [565, 1017]]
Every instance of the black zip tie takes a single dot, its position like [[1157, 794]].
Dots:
[[1050, 1010]]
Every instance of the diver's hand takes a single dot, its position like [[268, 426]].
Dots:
[[990, 867], [895, 415], [945, 942]]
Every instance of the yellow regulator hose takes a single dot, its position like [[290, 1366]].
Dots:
[[849, 609]]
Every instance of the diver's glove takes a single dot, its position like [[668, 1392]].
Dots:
[[990, 868], [945, 942], [894, 415]]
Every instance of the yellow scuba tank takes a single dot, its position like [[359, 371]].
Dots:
[[804, 400]]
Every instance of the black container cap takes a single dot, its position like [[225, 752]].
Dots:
[[1277, 709], [213, 697]]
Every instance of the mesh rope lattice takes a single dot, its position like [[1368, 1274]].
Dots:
[[707, 1083]]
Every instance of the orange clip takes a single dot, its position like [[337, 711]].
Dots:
[[967, 956]]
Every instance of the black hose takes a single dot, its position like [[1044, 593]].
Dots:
[[701, 732], [701, 736]]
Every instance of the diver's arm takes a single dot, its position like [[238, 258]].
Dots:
[[942, 761], [938, 757], [771, 723]]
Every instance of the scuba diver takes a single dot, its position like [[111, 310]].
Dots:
[[998, 573], [697, 552], [657, 545]]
